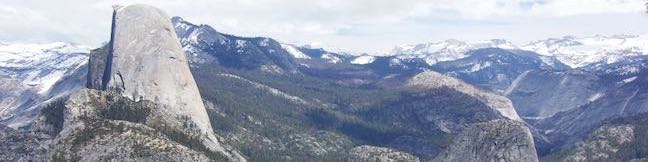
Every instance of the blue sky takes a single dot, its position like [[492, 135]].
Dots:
[[373, 26]]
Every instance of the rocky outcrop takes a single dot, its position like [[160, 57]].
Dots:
[[604, 144], [106, 126], [16, 146], [97, 68], [505, 138], [366, 153], [144, 62], [434, 80], [621, 138], [497, 140]]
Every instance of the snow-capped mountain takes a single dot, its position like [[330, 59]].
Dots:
[[447, 50], [307, 52], [292, 50], [364, 59], [573, 51], [206, 45], [34, 74], [494, 68], [41, 65], [582, 51]]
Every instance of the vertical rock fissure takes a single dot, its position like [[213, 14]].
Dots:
[[106, 75]]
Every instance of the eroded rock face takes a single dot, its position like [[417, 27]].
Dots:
[[604, 144], [497, 140], [103, 126], [543, 93], [505, 138], [145, 62], [148, 63], [433, 80]]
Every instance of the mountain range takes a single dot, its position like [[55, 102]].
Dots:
[[559, 99]]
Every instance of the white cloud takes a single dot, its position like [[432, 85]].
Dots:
[[358, 25], [580, 7]]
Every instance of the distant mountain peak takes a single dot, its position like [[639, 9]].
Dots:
[[364, 59], [581, 51], [40, 64], [447, 50]]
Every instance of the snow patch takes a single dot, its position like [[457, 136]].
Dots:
[[240, 43], [581, 51], [480, 66], [294, 51], [41, 65], [331, 58], [448, 50], [366, 59], [627, 80], [595, 97], [265, 42]]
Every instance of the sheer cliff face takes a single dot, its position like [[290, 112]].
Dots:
[[145, 62], [148, 63], [497, 140]]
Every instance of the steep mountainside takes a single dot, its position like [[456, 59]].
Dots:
[[616, 139], [626, 97], [581, 51], [325, 108], [566, 105], [231, 51], [543, 93], [272, 117], [147, 107], [34, 74], [494, 68]]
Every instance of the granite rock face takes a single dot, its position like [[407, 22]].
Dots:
[[543, 93], [603, 144], [366, 153], [497, 140], [145, 62], [102, 126], [432, 80], [504, 138]]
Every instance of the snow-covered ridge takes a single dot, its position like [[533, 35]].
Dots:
[[365, 59], [573, 51], [292, 50], [581, 51], [447, 50], [41, 65], [331, 58]]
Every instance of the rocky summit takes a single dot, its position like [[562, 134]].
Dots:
[[143, 63]]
